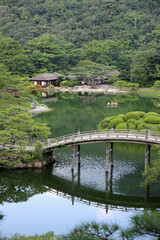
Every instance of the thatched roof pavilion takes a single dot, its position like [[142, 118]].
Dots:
[[46, 79], [110, 74]]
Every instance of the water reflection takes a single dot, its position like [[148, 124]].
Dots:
[[19, 186]]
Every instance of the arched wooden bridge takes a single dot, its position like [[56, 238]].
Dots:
[[111, 135], [131, 136]]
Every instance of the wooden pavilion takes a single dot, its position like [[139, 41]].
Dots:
[[46, 79]]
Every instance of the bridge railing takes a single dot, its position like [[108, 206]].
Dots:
[[108, 132]]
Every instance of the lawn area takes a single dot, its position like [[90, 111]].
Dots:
[[152, 92]]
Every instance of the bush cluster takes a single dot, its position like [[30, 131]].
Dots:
[[133, 120]]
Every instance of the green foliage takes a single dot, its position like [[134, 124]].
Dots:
[[47, 51], [152, 119], [144, 66], [131, 115], [137, 122], [51, 90], [120, 84], [38, 151], [121, 116], [141, 126], [131, 121], [47, 236], [93, 231], [14, 57], [144, 224], [106, 52], [17, 131], [132, 126], [105, 122], [65, 84], [151, 175], [115, 122], [121, 126], [150, 114], [133, 86], [88, 71], [59, 80], [113, 79], [141, 114], [156, 84], [56, 35]]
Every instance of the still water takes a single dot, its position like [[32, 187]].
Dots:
[[57, 199]]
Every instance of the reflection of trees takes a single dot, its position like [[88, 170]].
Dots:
[[67, 95], [17, 186], [125, 98]]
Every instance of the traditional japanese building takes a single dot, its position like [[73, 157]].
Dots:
[[46, 79]]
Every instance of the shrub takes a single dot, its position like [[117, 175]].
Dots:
[[115, 122], [156, 84], [131, 121], [129, 124], [132, 126], [136, 123], [141, 114], [131, 115], [121, 116], [141, 126], [120, 84], [121, 126], [150, 114], [108, 119], [158, 127], [152, 119], [132, 86], [104, 124], [65, 84]]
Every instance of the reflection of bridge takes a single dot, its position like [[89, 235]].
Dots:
[[132, 136], [75, 192]]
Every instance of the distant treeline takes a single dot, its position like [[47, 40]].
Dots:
[[45, 35]]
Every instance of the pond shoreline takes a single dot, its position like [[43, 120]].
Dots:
[[98, 89]]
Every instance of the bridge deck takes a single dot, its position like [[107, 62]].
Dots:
[[134, 136]]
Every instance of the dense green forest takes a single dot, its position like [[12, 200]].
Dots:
[[54, 35]]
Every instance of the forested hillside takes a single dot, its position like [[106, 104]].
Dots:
[[56, 34]]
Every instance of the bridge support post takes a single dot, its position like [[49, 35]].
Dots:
[[73, 153], [72, 186], [107, 156], [147, 156], [112, 154], [79, 159]]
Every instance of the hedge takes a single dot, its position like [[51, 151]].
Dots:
[[121, 116], [141, 114], [137, 122], [132, 126], [141, 126], [104, 124], [105, 121], [115, 122], [121, 126], [150, 114], [131, 115], [152, 119], [108, 119], [131, 121]]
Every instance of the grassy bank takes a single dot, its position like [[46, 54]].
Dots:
[[150, 92]]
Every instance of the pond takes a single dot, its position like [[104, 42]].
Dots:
[[57, 199]]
